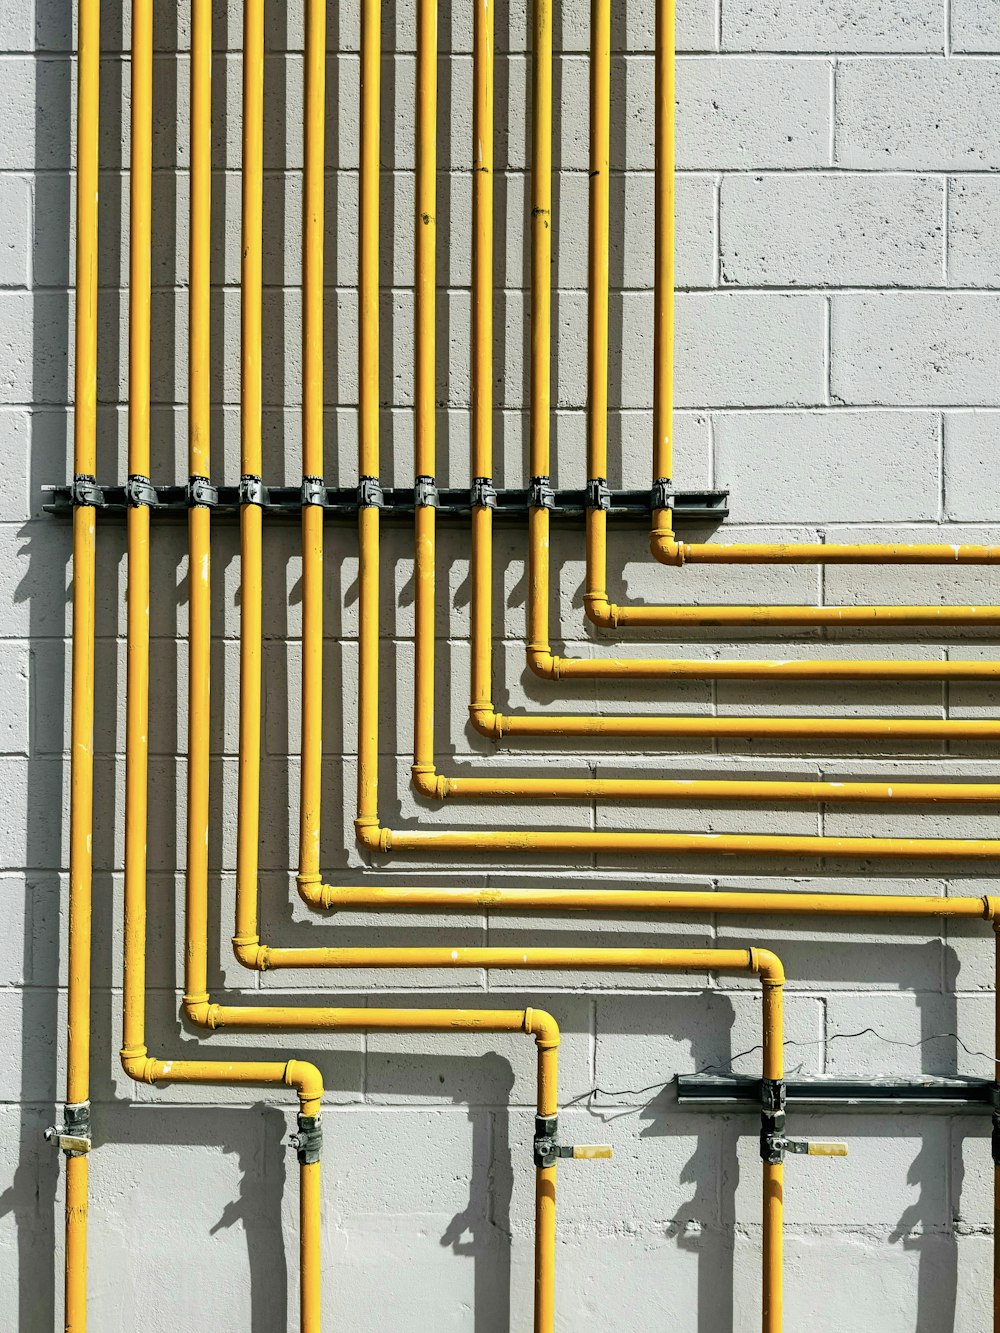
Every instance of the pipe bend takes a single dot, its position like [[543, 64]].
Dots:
[[138, 1064], [250, 952], [599, 611], [543, 1027], [991, 908], [426, 782], [486, 720], [199, 1010], [307, 1081], [665, 547], [768, 966], [543, 662], [369, 833], [311, 889]]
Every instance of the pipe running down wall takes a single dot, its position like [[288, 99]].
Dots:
[[199, 1007]]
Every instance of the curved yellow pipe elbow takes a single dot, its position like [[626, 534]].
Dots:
[[991, 908], [307, 1081], [369, 833], [138, 1064], [543, 663], [199, 1010], [427, 782], [768, 966], [666, 548], [599, 611], [543, 1027], [250, 952], [486, 720]]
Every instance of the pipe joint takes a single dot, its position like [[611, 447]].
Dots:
[[767, 966], [138, 1064], [991, 909], [307, 1081], [250, 952], [543, 662], [427, 782], [665, 547], [599, 610], [370, 833], [199, 1010], [543, 1027], [486, 720]]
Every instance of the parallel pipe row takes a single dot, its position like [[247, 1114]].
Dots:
[[199, 1006]]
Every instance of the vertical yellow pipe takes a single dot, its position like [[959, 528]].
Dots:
[[199, 516], [482, 345], [774, 1173], [597, 290], [545, 1197], [541, 236], [251, 516], [425, 229], [310, 796], [371, 50], [368, 457], [482, 240], [310, 1239], [137, 707], [82, 722], [663, 333], [541, 320]]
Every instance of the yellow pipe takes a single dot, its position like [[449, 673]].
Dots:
[[312, 445], [663, 295], [665, 900], [136, 1061], [371, 38], [482, 240], [82, 723], [774, 1172], [251, 457]]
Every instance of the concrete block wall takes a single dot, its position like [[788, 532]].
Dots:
[[838, 319]]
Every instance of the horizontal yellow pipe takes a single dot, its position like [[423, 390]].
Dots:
[[664, 900], [552, 667], [587, 841], [575, 960], [258, 1018], [821, 553], [903, 728], [711, 616], [712, 789]]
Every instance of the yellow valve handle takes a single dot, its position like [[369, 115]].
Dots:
[[591, 1151], [819, 1148]]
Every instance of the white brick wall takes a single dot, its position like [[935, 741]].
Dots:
[[838, 320]]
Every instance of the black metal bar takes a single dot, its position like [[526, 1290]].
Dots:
[[398, 503], [720, 1092]]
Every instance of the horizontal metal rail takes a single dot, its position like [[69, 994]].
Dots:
[[398, 503], [734, 1093]]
